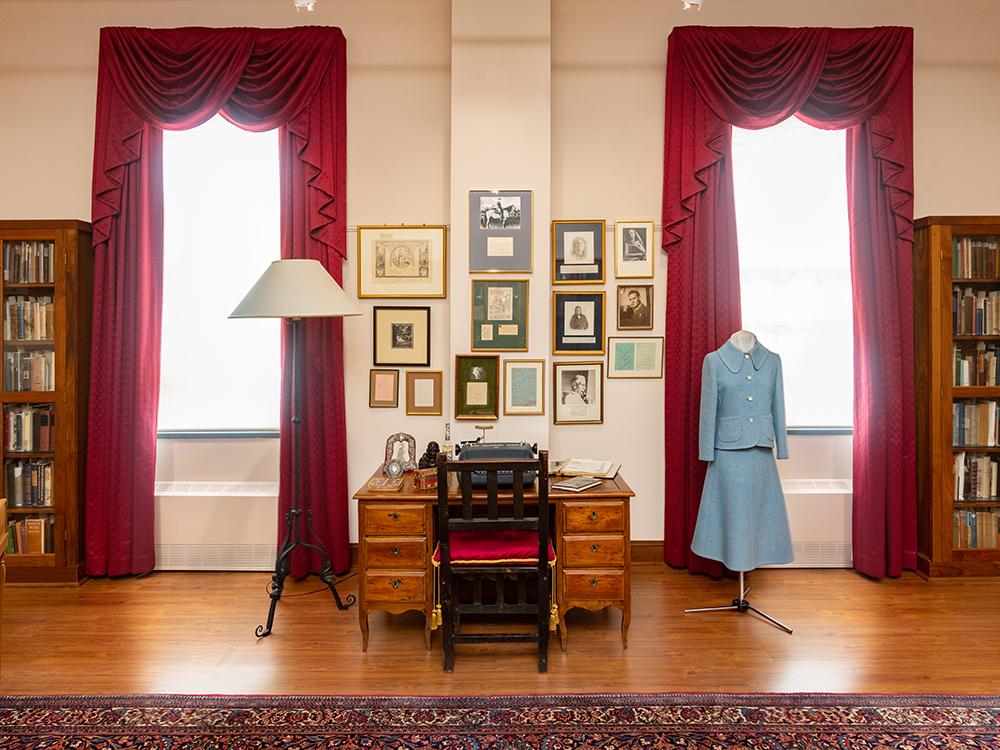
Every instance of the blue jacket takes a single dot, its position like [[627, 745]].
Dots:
[[742, 402]]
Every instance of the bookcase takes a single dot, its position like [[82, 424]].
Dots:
[[45, 325], [956, 303]]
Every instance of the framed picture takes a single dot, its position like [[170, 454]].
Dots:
[[578, 322], [524, 386], [578, 252], [423, 393], [402, 261], [401, 336], [635, 307], [383, 389], [634, 249], [477, 386], [500, 315], [638, 357], [500, 231], [578, 392]]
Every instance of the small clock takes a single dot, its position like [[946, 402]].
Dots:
[[393, 468]]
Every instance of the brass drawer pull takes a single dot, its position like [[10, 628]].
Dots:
[[593, 581], [593, 515], [394, 516], [395, 583], [594, 547], [395, 550]]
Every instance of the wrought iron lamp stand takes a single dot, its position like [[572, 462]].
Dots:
[[742, 605]]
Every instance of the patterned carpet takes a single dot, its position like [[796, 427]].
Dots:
[[608, 722]]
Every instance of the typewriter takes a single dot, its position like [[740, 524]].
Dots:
[[480, 450]]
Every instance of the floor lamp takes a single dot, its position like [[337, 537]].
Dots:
[[294, 290]]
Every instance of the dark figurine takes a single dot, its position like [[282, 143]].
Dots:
[[429, 459]]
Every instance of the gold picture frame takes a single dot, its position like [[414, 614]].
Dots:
[[517, 244], [483, 372], [637, 357], [627, 264], [377, 387], [593, 254], [519, 304], [402, 261], [578, 392], [593, 308], [535, 365], [422, 409]]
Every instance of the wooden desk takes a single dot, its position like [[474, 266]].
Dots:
[[396, 540]]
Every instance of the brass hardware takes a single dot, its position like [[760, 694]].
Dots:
[[395, 583], [394, 516], [593, 515], [395, 550], [593, 581], [594, 547]]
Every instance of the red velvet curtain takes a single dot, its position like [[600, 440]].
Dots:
[[858, 79], [155, 79]]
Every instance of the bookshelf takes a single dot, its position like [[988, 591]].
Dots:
[[956, 303], [45, 328]]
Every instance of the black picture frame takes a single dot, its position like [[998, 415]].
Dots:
[[391, 326], [588, 336]]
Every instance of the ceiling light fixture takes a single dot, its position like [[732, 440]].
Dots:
[[309, 5], [689, 4]]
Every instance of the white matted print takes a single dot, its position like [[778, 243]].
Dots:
[[634, 249], [638, 357], [524, 386], [578, 392], [578, 318], [402, 261]]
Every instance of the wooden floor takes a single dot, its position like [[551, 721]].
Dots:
[[193, 633]]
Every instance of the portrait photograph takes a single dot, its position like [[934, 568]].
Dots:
[[635, 307], [578, 318], [500, 212], [636, 357], [500, 315], [383, 389], [402, 261], [634, 249], [578, 251], [524, 386], [579, 392], [578, 322], [477, 386], [401, 336], [500, 231]]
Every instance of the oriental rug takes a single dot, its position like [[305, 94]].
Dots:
[[558, 722]]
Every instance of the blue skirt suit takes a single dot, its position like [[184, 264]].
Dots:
[[742, 521]]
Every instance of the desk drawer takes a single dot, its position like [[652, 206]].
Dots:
[[593, 516], [384, 518], [605, 585], [396, 552], [594, 551], [395, 586]]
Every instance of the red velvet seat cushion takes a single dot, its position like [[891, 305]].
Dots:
[[487, 547]]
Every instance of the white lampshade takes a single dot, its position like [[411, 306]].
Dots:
[[295, 289]]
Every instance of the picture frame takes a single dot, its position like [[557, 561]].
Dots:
[[401, 447], [423, 393], [382, 383], [635, 357], [500, 315], [402, 261], [578, 251], [634, 309], [477, 386], [401, 336], [523, 386], [634, 249], [500, 239], [578, 322], [578, 392]]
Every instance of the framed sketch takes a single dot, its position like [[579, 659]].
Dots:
[[524, 386], [637, 357], [578, 322], [403, 261], [500, 231], [401, 336], [383, 389], [634, 249], [578, 396], [423, 393], [635, 307], [477, 386], [500, 315], [578, 252]]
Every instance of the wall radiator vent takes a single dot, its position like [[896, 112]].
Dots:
[[819, 513]]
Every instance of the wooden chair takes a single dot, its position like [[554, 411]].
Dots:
[[500, 542], [3, 551]]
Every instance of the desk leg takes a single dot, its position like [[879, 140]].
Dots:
[[626, 619], [563, 635], [363, 617], [427, 631]]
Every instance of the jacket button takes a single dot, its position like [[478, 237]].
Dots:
[[750, 419], [746, 356], [749, 398], [749, 377]]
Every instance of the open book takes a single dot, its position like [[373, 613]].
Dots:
[[587, 467]]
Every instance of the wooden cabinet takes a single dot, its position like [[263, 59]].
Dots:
[[46, 293]]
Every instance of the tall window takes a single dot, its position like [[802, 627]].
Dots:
[[221, 230], [795, 276]]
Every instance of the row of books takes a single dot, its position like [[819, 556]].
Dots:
[[975, 313], [975, 529], [29, 319], [975, 257], [29, 483], [976, 367], [29, 370], [29, 262], [974, 423], [31, 536], [29, 428], [975, 477]]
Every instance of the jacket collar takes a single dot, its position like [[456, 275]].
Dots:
[[733, 357]]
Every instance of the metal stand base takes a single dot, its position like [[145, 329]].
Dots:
[[742, 605]]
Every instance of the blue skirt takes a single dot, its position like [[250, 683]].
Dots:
[[742, 521]]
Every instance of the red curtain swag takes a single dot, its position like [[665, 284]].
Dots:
[[148, 81], [858, 79]]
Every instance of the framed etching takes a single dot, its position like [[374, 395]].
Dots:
[[635, 307], [578, 252], [401, 336], [524, 386], [477, 386], [634, 249], [403, 261], [638, 357], [423, 393], [500, 231], [500, 315], [383, 389], [578, 392], [578, 322]]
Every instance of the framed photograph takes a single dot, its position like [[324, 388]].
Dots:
[[383, 389], [635, 307], [402, 261], [477, 386], [401, 336], [500, 231], [578, 322], [578, 392], [638, 357], [634, 249], [578, 252], [423, 393], [402, 449], [524, 386], [500, 315]]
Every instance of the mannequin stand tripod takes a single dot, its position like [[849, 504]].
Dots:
[[742, 605]]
